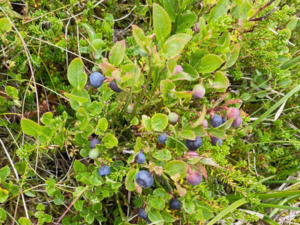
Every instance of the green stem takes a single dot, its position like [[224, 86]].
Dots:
[[120, 209], [145, 88]]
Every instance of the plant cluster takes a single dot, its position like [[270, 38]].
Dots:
[[149, 118]]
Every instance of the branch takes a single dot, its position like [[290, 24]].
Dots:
[[262, 8], [265, 16]]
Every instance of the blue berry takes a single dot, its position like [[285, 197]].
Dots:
[[142, 213], [216, 121], [94, 142], [104, 170], [140, 158], [96, 79], [216, 141], [193, 145], [162, 138], [144, 179], [113, 86], [175, 204]]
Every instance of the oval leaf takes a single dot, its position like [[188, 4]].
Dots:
[[76, 76], [162, 22], [159, 122]]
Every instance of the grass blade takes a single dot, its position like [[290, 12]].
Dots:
[[280, 102], [279, 206], [228, 210]]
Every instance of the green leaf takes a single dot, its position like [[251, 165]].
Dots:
[[167, 217], [171, 6], [191, 71], [79, 167], [275, 106], [82, 116], [157, 202], [40, 207], [146, 122], [58, 199], [206, 213], [140, 37], [189, 207], [185, 22], [174, 45], [79, 98], [210, 63], [117, 53], [166, 86], [2, 215], [5, 25], [24, 221], [96, 46], [162, 22], [291, 63], [31, 128], [78, 205], [227, 210], [219, 10], [161, 193], [11, 91], [129, 182], [233, 56], [159, 122], [162, 155], [220, 82], [4, 172], [102, 125], [188, 134], [76, 76], [155, 217], [177, 169], [110, 141], [90, 30], [292, 24], [46, 118], [3, 195]]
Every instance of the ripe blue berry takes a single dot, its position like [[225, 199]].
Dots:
[[216, 141], [223, 120], [193, 145], [175, 204], [114, 87], [142, 213], [104, 170], [162, 138], [215, 121], [96, 79], [94, 142], [144, 179], [140, 158]]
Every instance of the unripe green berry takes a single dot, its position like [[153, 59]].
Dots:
[[129, 109], [198, 91], [94, 153], [173, 117]]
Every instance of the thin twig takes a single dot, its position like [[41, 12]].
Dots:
[[17, 176], [265, 16], [33, 79]]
